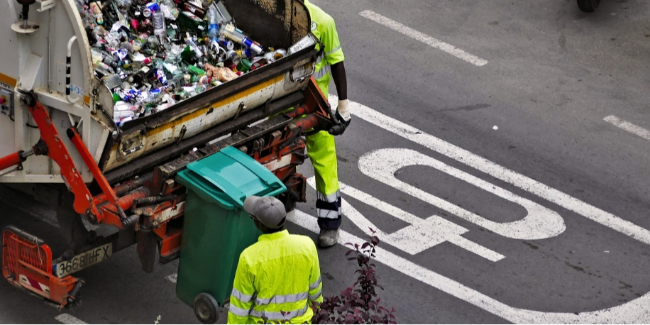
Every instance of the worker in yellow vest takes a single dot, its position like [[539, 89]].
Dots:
[[321, 146], [278, 277]]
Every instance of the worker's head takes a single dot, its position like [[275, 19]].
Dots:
[[267, 212]]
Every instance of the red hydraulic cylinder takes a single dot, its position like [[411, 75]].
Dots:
[[126, 202], [11, 160]]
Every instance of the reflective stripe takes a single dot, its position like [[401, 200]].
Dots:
[[281, 299], [316, 295], [322, 72], [238, 311], [329, 198], [328, 206], [319, 59], [278, 315], [240, 296], [315, 284], [328, 214], [334, 50]]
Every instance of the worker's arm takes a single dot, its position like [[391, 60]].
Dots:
[[340, 80], [341, 83], [335, 57], [315, 281], [243, 291]]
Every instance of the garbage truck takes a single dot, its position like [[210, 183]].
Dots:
[[111, 179]]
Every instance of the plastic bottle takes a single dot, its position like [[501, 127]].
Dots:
[[193, 46], [213, 24], [168, 8], [153, 41], [229, 31], [196, 70], [159, 28], [103, 68], [112, 81]]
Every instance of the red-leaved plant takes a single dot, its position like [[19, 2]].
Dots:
[[359, 303]]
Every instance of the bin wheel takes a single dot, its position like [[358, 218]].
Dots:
[[205, 308], [588, 5], [288, 201]]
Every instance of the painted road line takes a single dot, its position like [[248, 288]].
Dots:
[[523, 182], [172, 278], [419, 236], [424, 38], [539, 222], [627, 126], [635, 311], [69, 319]]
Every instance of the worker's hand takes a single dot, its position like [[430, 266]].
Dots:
[[343, 113], [343, 116]]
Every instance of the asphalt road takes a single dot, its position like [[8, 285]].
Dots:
[[523, 136]]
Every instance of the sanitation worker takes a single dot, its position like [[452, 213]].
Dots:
[[320, 146], [279, 276]]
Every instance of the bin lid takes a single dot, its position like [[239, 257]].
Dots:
[[228, 177]]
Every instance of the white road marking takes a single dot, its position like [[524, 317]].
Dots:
[[172, 278], [527, 184], [426, 39], [421, 235], [627, 126], [69, 319], [635, 311], [539, 223]]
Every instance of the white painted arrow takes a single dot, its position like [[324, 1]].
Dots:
[[419, 236]]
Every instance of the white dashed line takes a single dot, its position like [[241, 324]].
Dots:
[[627, 126], [69, 319], [424, 38], [172, 278]]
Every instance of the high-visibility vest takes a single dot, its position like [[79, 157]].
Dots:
[[324, 28], [277, 278]]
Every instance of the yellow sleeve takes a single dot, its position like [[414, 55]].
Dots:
[[330, 38], [315, 280], [243, 291]]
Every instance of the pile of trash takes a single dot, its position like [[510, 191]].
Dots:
[[152, 54]]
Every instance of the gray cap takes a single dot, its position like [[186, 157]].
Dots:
[[268, 210]]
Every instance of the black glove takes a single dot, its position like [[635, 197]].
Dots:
[[342, 119], [343, 116]]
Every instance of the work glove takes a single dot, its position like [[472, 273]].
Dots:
[[343, 116], [343, 113]]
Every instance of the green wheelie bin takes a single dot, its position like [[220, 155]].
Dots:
[[216, 229]]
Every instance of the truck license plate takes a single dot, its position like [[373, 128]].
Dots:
[[83, 260]]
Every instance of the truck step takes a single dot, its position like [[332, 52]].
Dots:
[[27, 264]]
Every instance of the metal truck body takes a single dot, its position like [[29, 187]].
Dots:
[[36, 60], [67, 151]]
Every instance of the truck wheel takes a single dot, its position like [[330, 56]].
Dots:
[[588, 5], [205, 308]]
